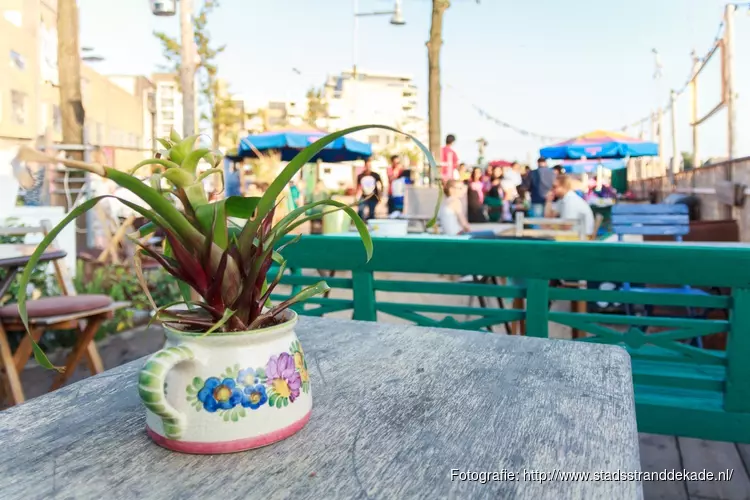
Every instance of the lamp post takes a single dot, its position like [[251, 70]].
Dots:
[[187, 59], [397, 19]]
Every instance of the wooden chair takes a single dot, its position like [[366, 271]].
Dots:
[[576, 231], [82, 313], [662, 220]]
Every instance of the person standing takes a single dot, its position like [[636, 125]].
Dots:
[[448, 159], [540, 183], [369, 189], [232, 186], [396, 185]]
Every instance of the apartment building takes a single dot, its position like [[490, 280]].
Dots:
[[168, 104], [385, 99], [116, 113]]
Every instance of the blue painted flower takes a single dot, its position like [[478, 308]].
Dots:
[[248, 377], [219, 394], [254, 396]]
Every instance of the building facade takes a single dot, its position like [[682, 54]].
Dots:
[[383, 99], [117, 113]]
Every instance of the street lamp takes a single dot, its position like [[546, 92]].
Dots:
[[164, 7]]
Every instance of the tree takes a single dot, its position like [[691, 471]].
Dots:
[[687, 161], [221, 108], [72, 113], [317, 107]]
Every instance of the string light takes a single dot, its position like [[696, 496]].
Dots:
[[640, 122]]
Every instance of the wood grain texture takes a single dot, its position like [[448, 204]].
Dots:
[[396, 408], [660, 453], [722, 457]]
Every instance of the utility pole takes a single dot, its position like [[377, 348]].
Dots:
[[434, 46], [675, 161], [694, 109], [187, 67], [729, 78], [71, 99]]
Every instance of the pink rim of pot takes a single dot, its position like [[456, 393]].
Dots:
[[198, 448]]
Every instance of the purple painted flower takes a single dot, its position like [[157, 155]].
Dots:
[[282, 376]]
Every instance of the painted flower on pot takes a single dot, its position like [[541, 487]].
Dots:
[[283, 380], [300, 363], [254, 397], [218, 394], [249, 377]]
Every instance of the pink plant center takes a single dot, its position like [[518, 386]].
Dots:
[[281, 387], [222, 393]]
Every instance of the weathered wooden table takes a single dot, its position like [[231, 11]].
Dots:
[[399, 412]]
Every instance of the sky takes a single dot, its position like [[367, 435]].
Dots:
[[551, 67]]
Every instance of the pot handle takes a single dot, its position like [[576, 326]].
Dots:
[[151, 380]]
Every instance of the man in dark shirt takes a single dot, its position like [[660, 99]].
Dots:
[[540, 183], [369, 190]]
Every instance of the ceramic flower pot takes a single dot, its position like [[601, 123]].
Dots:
[[226, 392]]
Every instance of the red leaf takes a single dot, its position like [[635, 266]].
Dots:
[[190, 265]]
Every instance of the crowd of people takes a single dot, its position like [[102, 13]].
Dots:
[[498, 193]]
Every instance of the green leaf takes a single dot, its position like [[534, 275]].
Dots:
[[228, 313], [286, 402], [81, 209], [311, 291], [272, 399], [242, 412], [226, 416], [198, 383], [353, 215], [235, 417], [234, 206], [190, 163], [154, 161], [279, 402], [179, 177], [175, 219], [260, 373]]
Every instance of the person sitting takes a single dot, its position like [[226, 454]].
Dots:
[[475, 196], [568, 205], [451, 214], [519, 203]]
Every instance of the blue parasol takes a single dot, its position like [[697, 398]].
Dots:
[[600, 144], [291, 142]]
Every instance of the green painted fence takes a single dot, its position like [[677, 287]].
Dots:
[[680, 389]]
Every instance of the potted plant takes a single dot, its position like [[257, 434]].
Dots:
[[232, 375]]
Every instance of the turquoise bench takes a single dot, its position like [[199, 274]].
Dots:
[[680, 389]]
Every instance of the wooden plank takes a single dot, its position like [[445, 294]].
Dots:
[[620, 262], [363, 289], [537, 308], [738, 351], [744, 451], [714, 456], [658, 219], [574, 397], [663, 209], [660, 453], [651, 230]]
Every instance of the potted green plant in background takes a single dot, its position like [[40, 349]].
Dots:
[[232, 375]]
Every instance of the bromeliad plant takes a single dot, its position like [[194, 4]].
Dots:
[[225, 263]]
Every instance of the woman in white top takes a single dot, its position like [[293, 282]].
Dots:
[[451, 214]]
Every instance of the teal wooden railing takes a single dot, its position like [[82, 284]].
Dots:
[[679, 389]]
